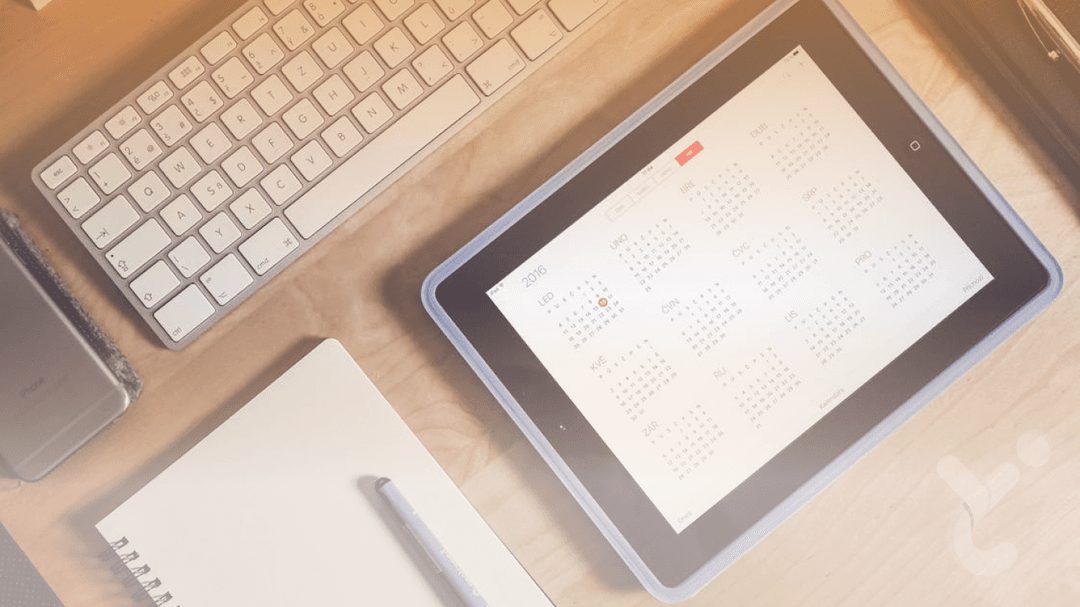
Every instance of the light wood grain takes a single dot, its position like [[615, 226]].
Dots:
[[880, 535]]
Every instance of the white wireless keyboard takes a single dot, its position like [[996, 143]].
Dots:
[[239, 155]]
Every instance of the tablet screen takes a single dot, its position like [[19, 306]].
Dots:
[[723, 300]]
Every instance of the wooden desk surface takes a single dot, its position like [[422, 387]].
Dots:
[[889, 532]]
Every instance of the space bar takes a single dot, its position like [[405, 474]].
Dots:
[[381, 156]]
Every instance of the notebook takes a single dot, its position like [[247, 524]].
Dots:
[[277, 507]]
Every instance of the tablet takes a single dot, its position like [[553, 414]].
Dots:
[[732, 297]]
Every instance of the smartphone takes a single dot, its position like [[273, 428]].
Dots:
[[55, 391], [1057, 25]]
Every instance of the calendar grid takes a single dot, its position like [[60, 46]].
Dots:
[[652, 251], [724, 197], [779, 262], [842, 206], [636, 376], [688, 441], [759, 385], [827, 325], [705, 317], [902, 270], [586, 310], [796, 142]]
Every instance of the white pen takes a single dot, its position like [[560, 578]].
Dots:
[[431, 544]]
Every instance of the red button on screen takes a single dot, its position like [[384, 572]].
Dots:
[[689, 153]]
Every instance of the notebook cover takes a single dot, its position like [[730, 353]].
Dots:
[[996, 39]]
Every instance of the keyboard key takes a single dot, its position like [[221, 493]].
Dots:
[[302, 71], [522, 6], [333, 95], [211, 190], [362, 171], [202, 101], [155, 284], [94, 144], [141, 149], [58, 172], [463, 41], [363, 24], [211, 142], [263, 53], [272, 95], [250, 23], [242, 166], [280, 184], [186, 73], [302, 118], [424, 23], [180, 167], [455, 8], [394, 8], [272, 143], [372, 112], [171, 125], [250, 208], [536, 34], [311, 160], [363, 71], [492, 18], [184, 313], [218, 47], [276, 6], [342, 136], [110, 173], [189, 257], [269, 246], [138, 248], [155, 97], [495, 67], [432, 65], [181, 215], [324, 11], [333, 48], [149, 191], [294, 29], [394, 47], [226, 279], [232, 77], [241, 119], [78, 198], [572, 13], [122, 123], [107, 224], [402, 89], [220, 232]]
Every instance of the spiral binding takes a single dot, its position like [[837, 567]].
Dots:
[[139, 573]]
